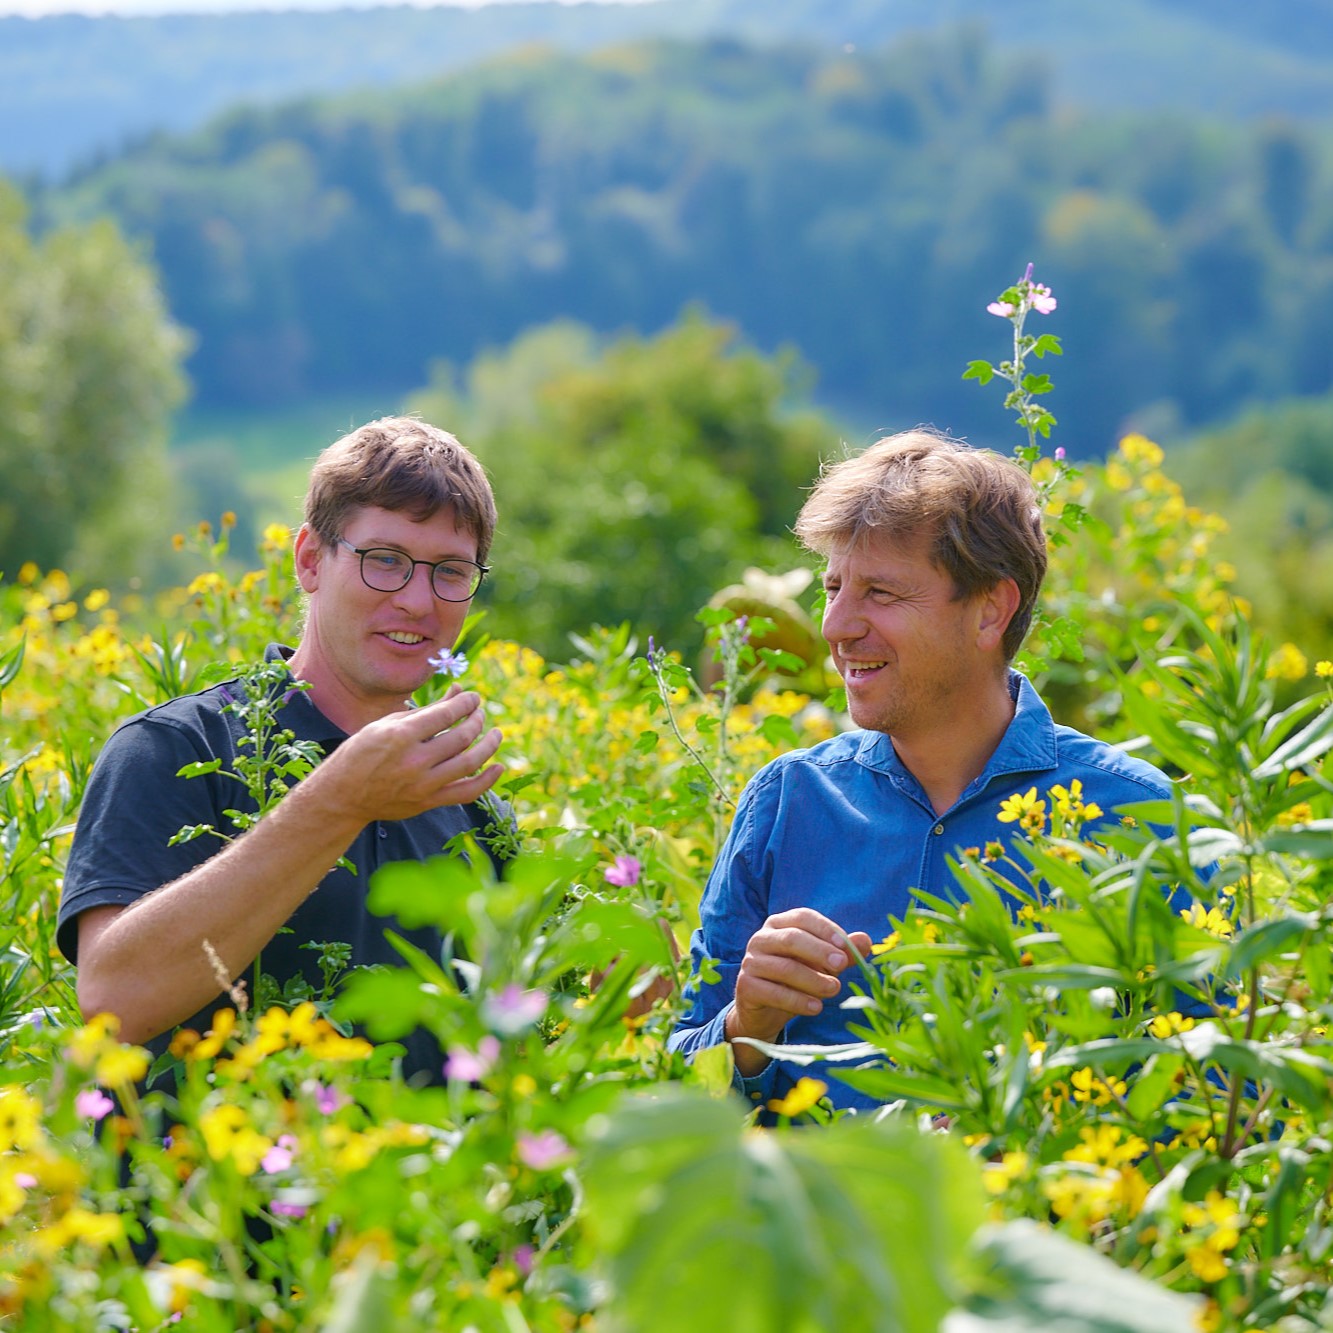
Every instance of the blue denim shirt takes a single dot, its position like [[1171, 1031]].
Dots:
[[846, 829]]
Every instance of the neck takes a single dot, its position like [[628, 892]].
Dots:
[[947, 760]]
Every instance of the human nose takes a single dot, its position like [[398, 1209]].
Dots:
[[417, 592], [840, 622]]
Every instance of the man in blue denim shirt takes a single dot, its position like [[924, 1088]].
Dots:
[[935, 555]]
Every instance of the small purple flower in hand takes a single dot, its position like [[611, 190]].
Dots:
[[448, 664], [624, 872]]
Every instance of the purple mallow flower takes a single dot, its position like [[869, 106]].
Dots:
[[513, 1008], [472, 1066], [280, 1156], [328, 1101], [542, 1150], [93, 1103], [448, 664], [624, 872]]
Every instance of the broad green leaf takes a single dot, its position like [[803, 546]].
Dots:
[[691, 1215], [1048, 1282], [425, 893], [387, 1002]]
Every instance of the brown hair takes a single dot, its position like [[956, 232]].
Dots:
[[400, 463], [978, 510]]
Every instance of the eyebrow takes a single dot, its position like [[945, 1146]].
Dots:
[[379, 544]]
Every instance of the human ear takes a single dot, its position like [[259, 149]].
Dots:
[[307, 551], [997, 608]]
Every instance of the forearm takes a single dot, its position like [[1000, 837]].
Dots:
[[147, 963]]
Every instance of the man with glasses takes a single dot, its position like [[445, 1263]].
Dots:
[[399, 518]]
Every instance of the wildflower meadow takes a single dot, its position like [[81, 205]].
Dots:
[[1109, 1107]]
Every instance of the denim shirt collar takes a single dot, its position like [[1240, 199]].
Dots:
[[1027, 746]]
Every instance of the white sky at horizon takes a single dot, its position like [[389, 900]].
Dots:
[[128, 8]]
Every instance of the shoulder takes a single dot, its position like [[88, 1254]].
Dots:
[[191, 719], [802, 769], [1093, 760]]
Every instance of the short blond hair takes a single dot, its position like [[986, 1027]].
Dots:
[[400, 463], [977, 509]]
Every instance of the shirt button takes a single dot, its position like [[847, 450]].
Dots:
[[384, 833], [938, 829]]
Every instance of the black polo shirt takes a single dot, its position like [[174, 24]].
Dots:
[[135, 804]]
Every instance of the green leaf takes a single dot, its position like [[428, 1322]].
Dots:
[[861, 1225], [778, 731], [387, 1002], [424, 893], [1054, 1284], [1047, 345], [11, 662], [1265, 939], [981, 371], [199, 768]]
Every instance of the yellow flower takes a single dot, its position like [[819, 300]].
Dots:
[[88, 1042], [121, 1065], [524, 1085], [1025, 809], [228, 1134], [890, 941], [95, 1229], [1099, 1092], [1211, 919], [800, 1099], [1102, 1146], [1139, 449], [1323, 669], [224, 1023], [1287, 663], [998, 1176], [20, 1119], [277, 537], [1169, 1025]]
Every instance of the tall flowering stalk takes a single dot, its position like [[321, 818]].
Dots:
[[1026, 387]]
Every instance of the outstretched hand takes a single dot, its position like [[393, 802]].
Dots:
[[791, 967], [403, 764]]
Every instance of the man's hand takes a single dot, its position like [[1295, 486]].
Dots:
[[406, 763], [791, 966]]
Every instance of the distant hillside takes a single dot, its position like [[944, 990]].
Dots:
[[859, 206], [73, 89]]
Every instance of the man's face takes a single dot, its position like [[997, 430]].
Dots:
[[912, 656], [364, 651]]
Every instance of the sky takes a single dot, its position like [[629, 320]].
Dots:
[[39, 8]]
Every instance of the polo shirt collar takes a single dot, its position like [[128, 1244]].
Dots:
[[1028, 744]]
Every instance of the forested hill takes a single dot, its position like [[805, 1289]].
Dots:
[[862, 207], [74, 87]]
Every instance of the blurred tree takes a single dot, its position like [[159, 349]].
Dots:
[[89, 371], [636, 484]]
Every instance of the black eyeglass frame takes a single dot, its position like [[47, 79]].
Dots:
[[432, 565]]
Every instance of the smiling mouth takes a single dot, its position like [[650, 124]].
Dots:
[[400, 636], [858, 669]]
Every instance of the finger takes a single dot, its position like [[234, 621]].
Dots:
[[433, 718], [764, 994], [818, 951], [790, 973], [811, 922], [465, 790], [466, 762], [859, 941], [456, 740]]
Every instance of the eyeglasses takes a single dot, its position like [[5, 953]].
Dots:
[[387, 570]]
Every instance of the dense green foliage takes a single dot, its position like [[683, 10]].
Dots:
[[635, 482], [813, 197], [79, 87], [89, 372]]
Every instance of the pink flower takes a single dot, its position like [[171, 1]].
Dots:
[[1060, 454], [1001, 308], [281, 1208], [93, 1103], [25, 1180], [523, 1257], [514, 1008], [472, 1066], [328, 1101], [624, 872], [542, 1151], [1042, 300], [279, 1157]]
